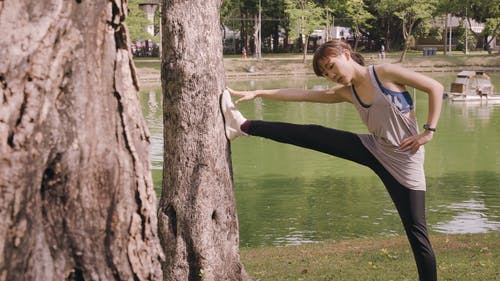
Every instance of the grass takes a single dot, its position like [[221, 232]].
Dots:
[[152, 63], [460, 258]]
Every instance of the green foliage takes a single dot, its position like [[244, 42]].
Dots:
[[304, 16], [136, 22], [357, 11], [229, 9], [460, 34], [492, 27], [449, 6], [412, 12], [486, 12], [435, 32], [480, 10], [392, 20]]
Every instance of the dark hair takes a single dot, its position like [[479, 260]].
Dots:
[[333, 48]]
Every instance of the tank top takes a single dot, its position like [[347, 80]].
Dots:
[[387, 127]]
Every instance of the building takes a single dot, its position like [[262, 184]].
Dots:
[[453, 24]]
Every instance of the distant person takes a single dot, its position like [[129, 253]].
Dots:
[[393, 148], [243, 53], [382, 51], [479, 91]]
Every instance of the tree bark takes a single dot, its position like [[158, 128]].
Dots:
[[76, 193], [197, 218]]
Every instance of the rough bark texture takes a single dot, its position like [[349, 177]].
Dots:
[[197, 220], [76, 194]]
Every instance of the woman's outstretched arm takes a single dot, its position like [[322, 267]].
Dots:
[[334, 95]]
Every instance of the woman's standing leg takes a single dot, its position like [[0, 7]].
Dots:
[[411, 208]]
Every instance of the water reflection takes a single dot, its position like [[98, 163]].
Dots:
[[471, 218], [152, 104], [151, 100], [287, 195], [471, 113], [296, 237]]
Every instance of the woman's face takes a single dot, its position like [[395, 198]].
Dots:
[[337, 68]]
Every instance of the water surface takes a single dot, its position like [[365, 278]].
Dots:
[[288, 195]]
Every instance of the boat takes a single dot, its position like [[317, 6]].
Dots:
[[472, 86]]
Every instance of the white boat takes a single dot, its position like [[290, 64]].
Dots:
[[473, 86], [491, 99]]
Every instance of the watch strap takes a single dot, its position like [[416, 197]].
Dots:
[[428, 128]]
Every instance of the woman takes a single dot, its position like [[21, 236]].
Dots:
[[394, 147]]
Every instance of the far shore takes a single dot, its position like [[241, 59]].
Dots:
[[287, 65]]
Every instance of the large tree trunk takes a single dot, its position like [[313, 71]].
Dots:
[[76, 194], [197, 218]]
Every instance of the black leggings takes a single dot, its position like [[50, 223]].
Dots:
[[409, 203]]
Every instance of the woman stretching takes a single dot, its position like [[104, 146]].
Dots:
[[394, 147]]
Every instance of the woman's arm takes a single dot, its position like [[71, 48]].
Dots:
[[397, 74], [334, 95]]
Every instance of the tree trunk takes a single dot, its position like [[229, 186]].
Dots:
[[388, 40], [197, 218], [76, 194], [304, 48], [445, 35], [276, 38], [407, 31], [256, 37], [356, 35]]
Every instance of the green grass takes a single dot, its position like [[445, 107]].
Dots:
[[152, 63], [459, 257]]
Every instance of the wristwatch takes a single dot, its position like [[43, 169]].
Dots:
[[428, 128]]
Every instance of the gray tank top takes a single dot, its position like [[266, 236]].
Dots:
[[388, 127]]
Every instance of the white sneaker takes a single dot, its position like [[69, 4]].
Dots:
[[232, 117]]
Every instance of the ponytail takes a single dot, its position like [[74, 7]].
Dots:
[[357, 57]]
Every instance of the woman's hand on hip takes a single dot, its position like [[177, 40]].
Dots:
[[413, 143]]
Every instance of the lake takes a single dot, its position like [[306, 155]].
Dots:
[[287, 195]]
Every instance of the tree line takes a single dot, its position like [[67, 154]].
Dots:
[[394, 23]]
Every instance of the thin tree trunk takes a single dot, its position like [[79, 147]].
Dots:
[[76, 193], [197, 218], [276, 38], [304, 49], [407, 31], [477, 35], [356, 38], [445, 35], [256, 35], [388, 40]]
